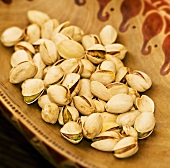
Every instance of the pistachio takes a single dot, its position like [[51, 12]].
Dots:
[[43, 100], [72, 132], [121, 74], [54, 75], [100, 91], [61, 26], [11, 36], [32, 89], [89, 40], [50, 113], [58, 37], [24, 45], [116, 50], [96, 53], [105, 141], [92, 125], [119, 103], [59, 94], [68, 113], [22, 71], [129, 131], [37, 17], [126, 147], [117, 87], [145, 122], [108, 35], [20, 56], [107, 65], [139, 81], [85, 89], [134, 93], [145, 103], [127, 118], [84, 104], [70, 49], [48, 28], [88, 68], [99, 106], [32, 33], [48, 52], [103, 76]]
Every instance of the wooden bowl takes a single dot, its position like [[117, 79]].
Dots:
[[143, 27]]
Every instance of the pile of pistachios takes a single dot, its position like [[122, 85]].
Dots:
[[80, 82]]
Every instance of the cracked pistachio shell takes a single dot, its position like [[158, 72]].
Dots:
[[117, 87], [43, 100], [48, 52], [100, 91], [89, 40], [32, 33], [103, 76], [61, 26], [88, 68], [134, 93], [126, 147], [48, 28], [72, 65], [139, 81], [68, 113], [108, 35], [32, 89], [84, 105], [72, 82], [144, 134], [96, 53], [11, 36], [85, 89], [119, 103], [20, 56], [54, 75], [37, 17], [24, 45], [145, 103], [40, 65], [92, 125], [129, 131], [50, 113], [121, 74], [105, 141], [116, 50], [59, 94], [70, 49], [145, 122], [72, 132], [22, 71], [107, 65], [99, 106], [118, 63], [127, 118]]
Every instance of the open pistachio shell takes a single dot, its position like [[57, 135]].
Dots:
[[72, 132]]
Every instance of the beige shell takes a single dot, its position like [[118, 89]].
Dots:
[[145, 103], [108, 35], [84, 105], [72, 132], [37, 17], [43, 100], [70, 49], [50, 113], [99, 106], [117, 50], [139, 81], [100, 91], [22, 71], [11, 36], [59, 94], [121, 74], [107, 65], [58, 37], [103, 76], [19, 56], [120, 103], [126, 147], [92, 125]]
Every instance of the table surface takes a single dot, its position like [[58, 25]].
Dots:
[[16, 151]]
